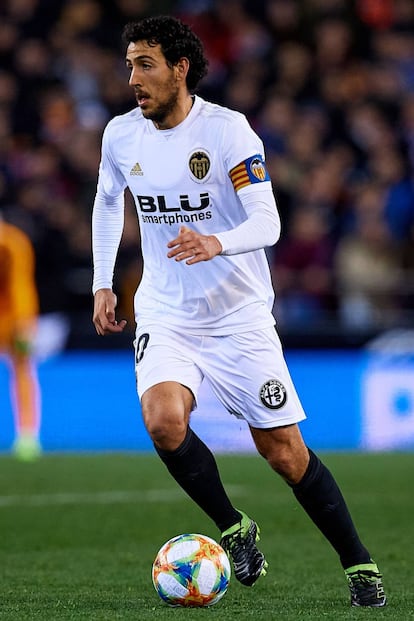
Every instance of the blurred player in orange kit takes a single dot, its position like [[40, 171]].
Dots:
[[18, 319]]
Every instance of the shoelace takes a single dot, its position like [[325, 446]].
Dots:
[[235, 542], [365, 577]]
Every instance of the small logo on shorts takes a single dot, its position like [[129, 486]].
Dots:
[[273, 394]]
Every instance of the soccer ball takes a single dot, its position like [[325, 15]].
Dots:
[[191, 570]]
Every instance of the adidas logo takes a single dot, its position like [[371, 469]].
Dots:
[[136, 170]]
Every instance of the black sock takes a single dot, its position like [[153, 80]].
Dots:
[[194, 468], [320, 496]]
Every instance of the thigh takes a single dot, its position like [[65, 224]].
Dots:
[[162, 355], [249, 375]]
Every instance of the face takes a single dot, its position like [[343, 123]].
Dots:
[[156, 85]]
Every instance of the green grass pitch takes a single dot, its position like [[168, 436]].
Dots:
[[78, 534]]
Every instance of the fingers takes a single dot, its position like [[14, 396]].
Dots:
[[103, 328], [193, 247], [185, 229], [184, 251], [185, 235], [104, 313], [187, 245], [115, 327], [110, 314]]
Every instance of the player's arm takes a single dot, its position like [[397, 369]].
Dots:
[[251, 181], [107, 228], [260, 229]]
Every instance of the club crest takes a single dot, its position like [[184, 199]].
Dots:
[[257, 168], [199, 164]]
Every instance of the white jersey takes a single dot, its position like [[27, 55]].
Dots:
[[195, 174]]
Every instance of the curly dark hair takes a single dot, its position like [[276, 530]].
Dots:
[[176, 39]]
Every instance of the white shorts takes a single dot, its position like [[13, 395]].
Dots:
[[247, 372]]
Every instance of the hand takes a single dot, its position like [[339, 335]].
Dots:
[[193, 246], [104, 313]]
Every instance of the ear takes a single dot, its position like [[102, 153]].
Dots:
[[181, 68]]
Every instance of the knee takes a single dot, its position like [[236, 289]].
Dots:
[[289, 464], [284, 450], [166, 430], [167, 437]]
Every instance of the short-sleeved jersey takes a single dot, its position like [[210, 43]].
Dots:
[[194, 175]]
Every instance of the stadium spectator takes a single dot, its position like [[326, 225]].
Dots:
[[302, 270], [389, 170], [368, 265]]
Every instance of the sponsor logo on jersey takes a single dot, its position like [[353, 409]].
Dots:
[[152, 204], [136, 170], [184, 209], [199, 164], [273, 394], [252, 170]]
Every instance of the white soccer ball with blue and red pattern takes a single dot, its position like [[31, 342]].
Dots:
[[191, 570]]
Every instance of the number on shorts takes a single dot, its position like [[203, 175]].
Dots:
[[141, 346]]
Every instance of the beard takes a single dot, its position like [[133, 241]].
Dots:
[[159, 113]]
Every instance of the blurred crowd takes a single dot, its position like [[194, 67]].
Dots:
[[328, 85]]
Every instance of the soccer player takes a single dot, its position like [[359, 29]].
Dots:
[[18, 318], [203, 307]]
